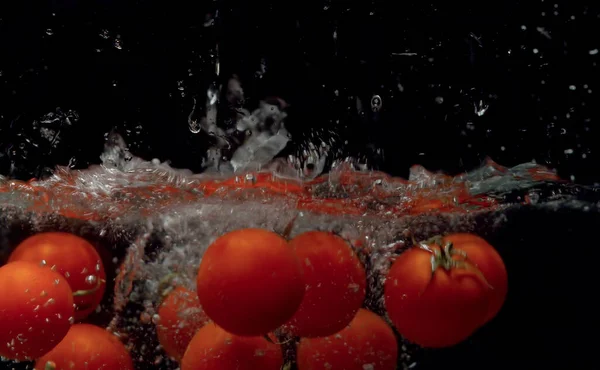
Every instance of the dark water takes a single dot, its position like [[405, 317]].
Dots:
[[547, 321]]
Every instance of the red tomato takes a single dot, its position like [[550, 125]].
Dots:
[[367, 342], [212, 348], [75, 258], [87, 347], [443, 307], [487, 260], [181, 316], [250, 282], [36, 309], [335, 284]]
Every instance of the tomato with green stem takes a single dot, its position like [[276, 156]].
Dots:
[[74, 258], [36, 310], [487, 260], [438, 293]]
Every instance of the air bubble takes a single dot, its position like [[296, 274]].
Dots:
[[91, 279]]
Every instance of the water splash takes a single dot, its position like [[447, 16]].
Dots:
[[175, 214]]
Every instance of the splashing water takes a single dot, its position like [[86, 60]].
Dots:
[[170, 216]]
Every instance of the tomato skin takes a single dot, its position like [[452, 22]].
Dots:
[[88, 347], [367, 340], [433, 311], [335, 284], [75, 258], [250, 282], [489, 262], [212, 348], [36, 306], [181, 316]]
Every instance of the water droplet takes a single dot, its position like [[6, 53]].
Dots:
[[354, 287], [71, 320], [49, 302], [43, 263], [376, 103], [91, 279], [49, 32], [145, 318], [43, 293]]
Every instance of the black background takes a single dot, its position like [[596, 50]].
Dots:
[[519, 58]]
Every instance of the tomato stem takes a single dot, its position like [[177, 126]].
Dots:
[[288, 228], [165, 285], [268, 338], [444, 257], [81, 293]]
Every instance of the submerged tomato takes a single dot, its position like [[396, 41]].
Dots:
[[212, 348], [335, 284], [36, 309], [444, 306], [366, 343], [87, 347], [250, 282], [181, 316], [74, 258], [488, 261]]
